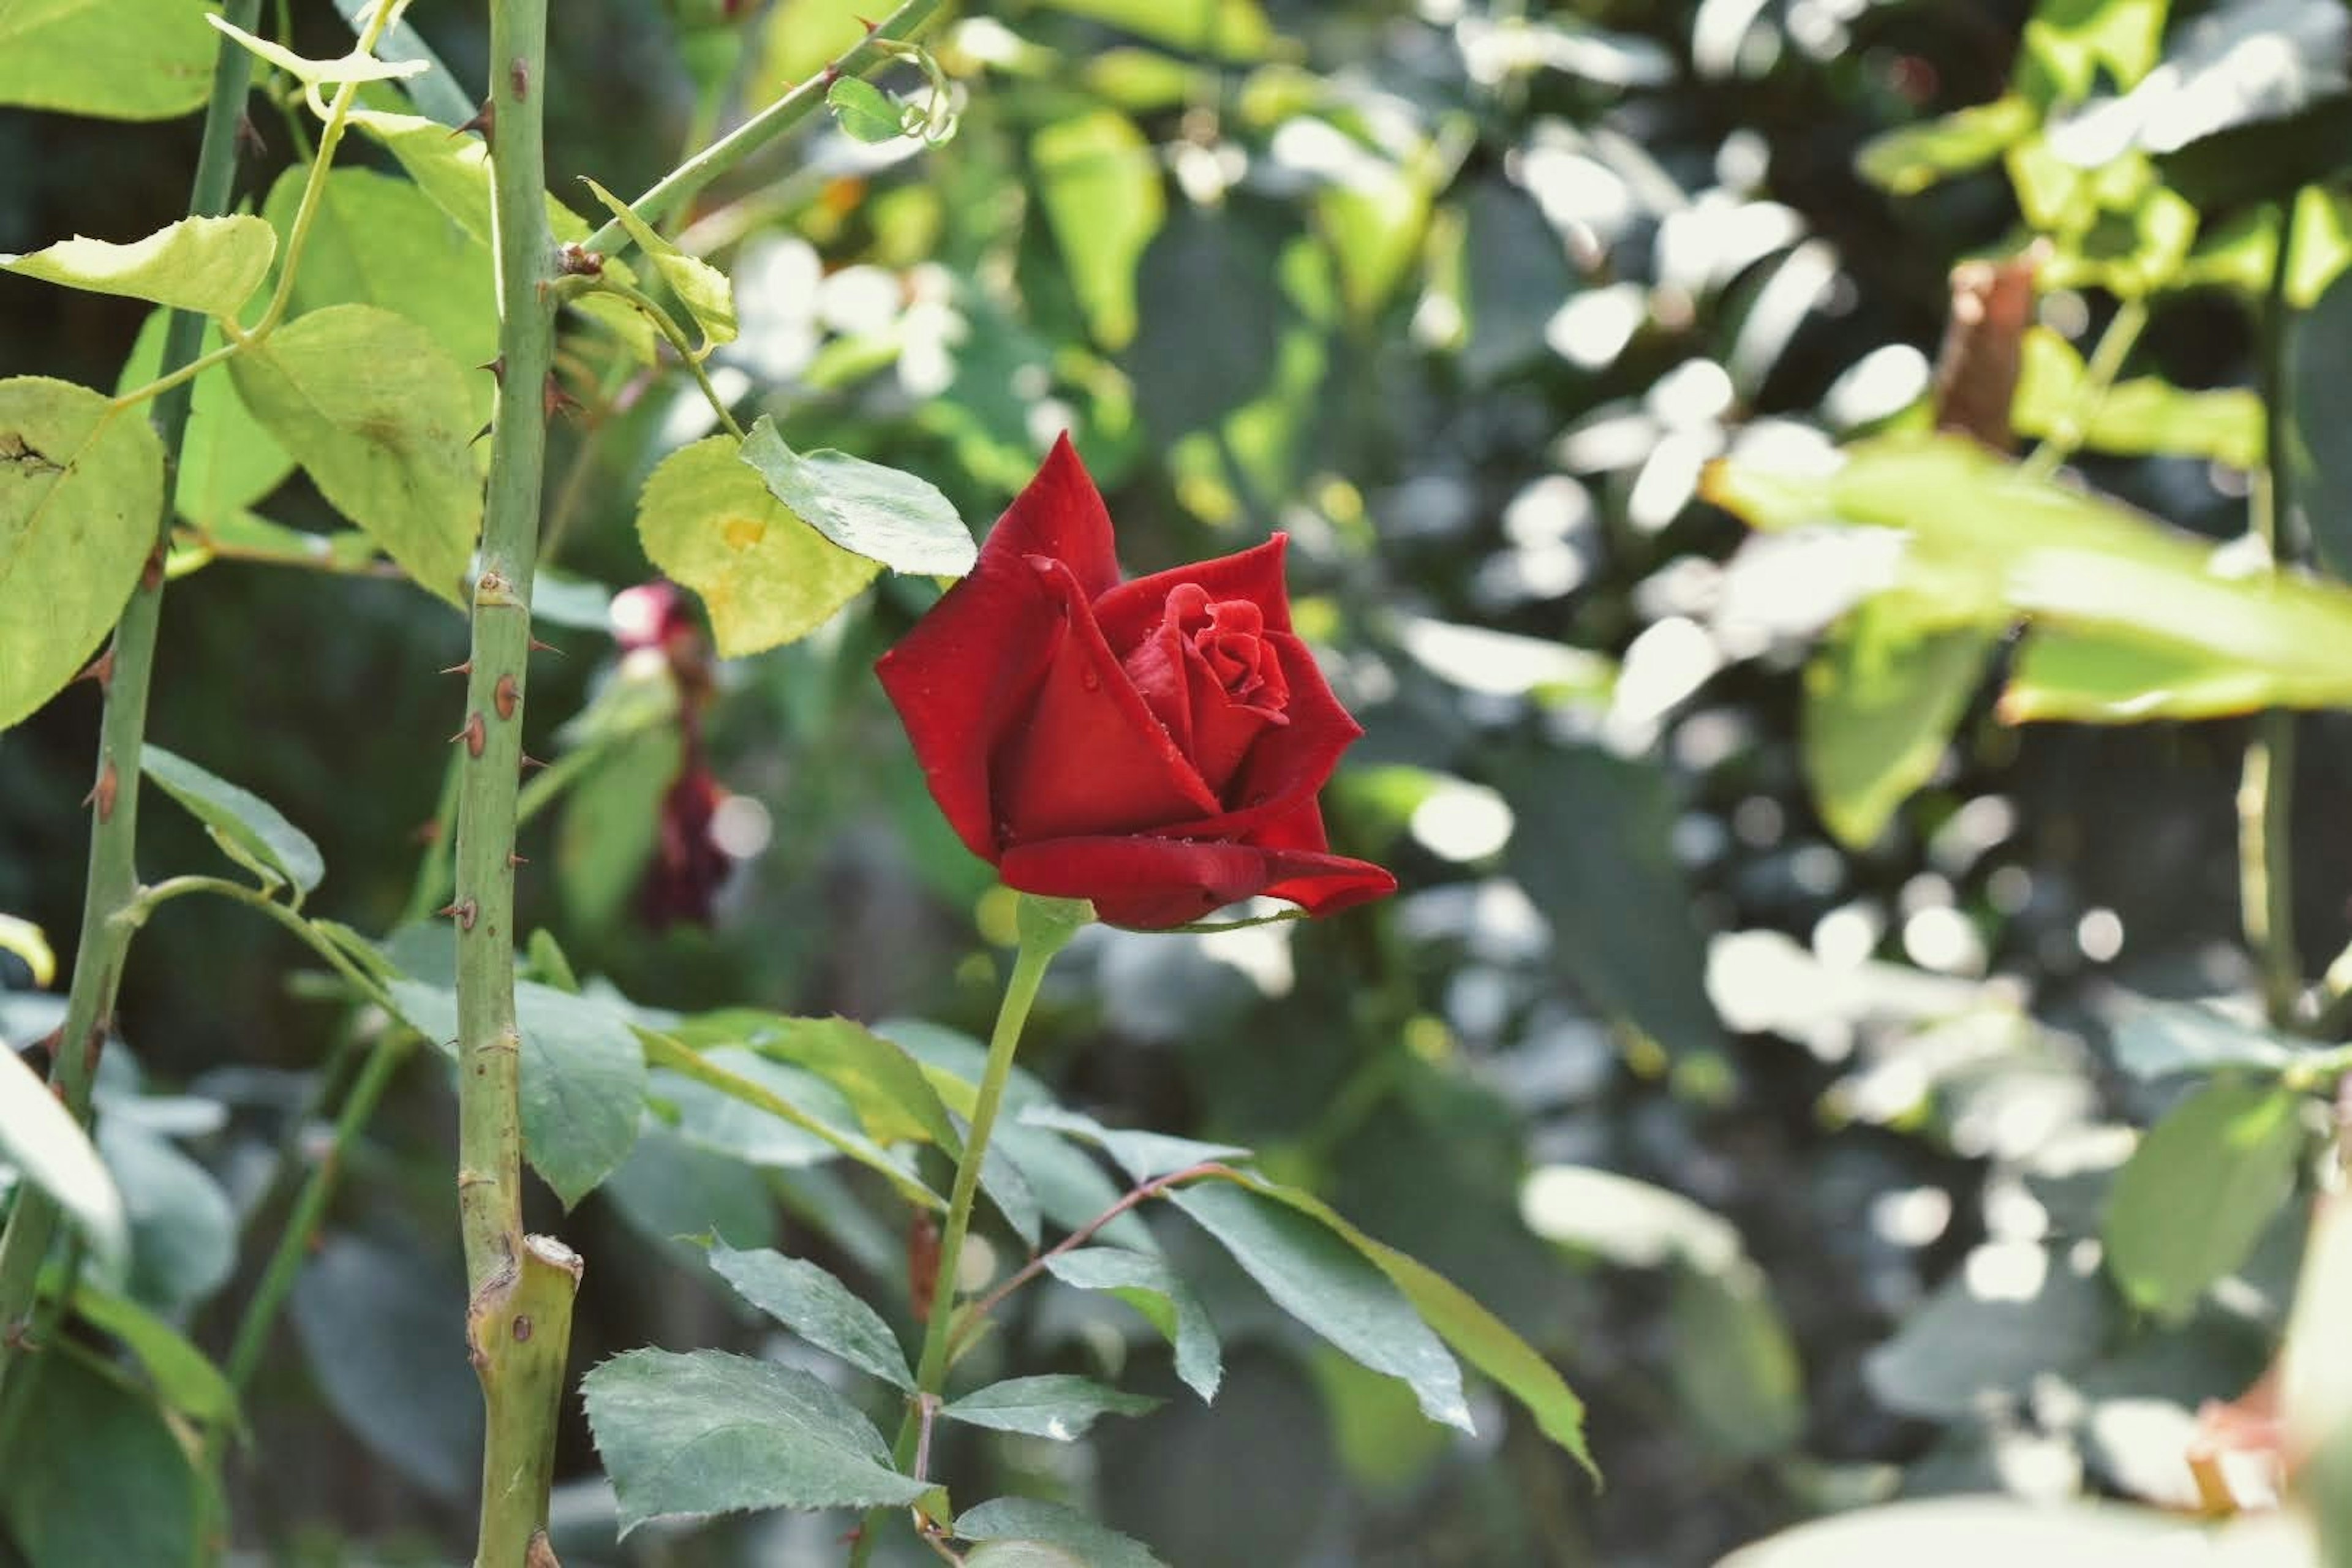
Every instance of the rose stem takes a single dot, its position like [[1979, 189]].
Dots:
[[1046, 926], [127, 668]]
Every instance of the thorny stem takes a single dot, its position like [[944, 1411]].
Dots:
[[113, 878], [518, 1311], [2266, 788], [670, 192], [1045, 929]]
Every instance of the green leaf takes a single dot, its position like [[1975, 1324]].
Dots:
[[1223, 29], [674, 1056], [675, 1193], [362, 1312], [701, 288], [380, 416], [1515, 274], [1025, 1520], [1051, 1405], [2107, 678], [1318, 1278], [1021, 1555], [183, 1226], [2069, 42], [893, 1099], [49, 1149], [185, 1378], [1209, 333], [2191, 1202], [1142, 1155], [1152, 1288], [1911, 158], [96, 1475], [228, 461], [82, 498], [2011, 1313], [817, 1306], [690, 1436], [879, 513], [114, 59], [726, 1124], [1099, 182], [1987, 542], [583, 1077], [1485, 1340], [351, 66], [2139, 416], [1735, 1368], [379, 240], [209, 265], [249, 829], [767, 577], [1881, 699], [864, 113], [2319, 440], [2157, 1039]]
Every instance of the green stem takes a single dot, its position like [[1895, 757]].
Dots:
[[2106, 363], [669, 192], [1046, 926], [112, 879], [519, 1310], [2266, 787], [677, 340]]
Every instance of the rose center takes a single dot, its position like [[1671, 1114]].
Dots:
[[1229, 636]]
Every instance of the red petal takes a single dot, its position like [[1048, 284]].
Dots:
[[1153, 883], [963, 679], [1089, 757], [1060, 514], [1129, 612], [1302, 830], [1292, 762]]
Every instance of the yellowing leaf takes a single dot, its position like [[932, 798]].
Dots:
[[701, 288], [767, 577], [115, 59], [203, 263]]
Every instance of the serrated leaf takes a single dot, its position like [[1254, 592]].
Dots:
[[2192, 1202], [1142, 1155], [228, 461], [209, 265], [1318, 1277], [894, 1101], [879, 513], [767, 577], [1008, 1521], [380, 416], [1053, 1404], [1100, 183], [115, 59], [701, 288], [82, 498], [863, 111], [1881, 699], [184, 1377], [351, 66], [684, 1436], [238, 817], [1152, 1288], [817, 1306], [50, 1151]]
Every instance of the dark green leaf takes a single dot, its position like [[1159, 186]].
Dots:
[[690, 1436], [96, 1476], [1735, 1365], [1152, 1288], [2193, 1199], [185, 1378], [817, 1306], [1208, 328], [1009, 1519], [671, 1192], [1318, 1277], [878, 514], [249, 829], [1142, 1155], [1053, 1404], [2012, 1311], [183, 1227], [2320, 409]]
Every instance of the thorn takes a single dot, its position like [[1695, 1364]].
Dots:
[[555, 400], [473, 734], [514, 859], [871, 27], [426, 833], [483, 431], [102, 669], [539, 647], [529, 762], [151, 576], [579, 261], [101, 794], [485, 120], [462, 912], [464, 668], [518, 78], [497, 367], [506, 696], [830, 74]]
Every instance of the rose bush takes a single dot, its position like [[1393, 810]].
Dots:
[[1155, 746]]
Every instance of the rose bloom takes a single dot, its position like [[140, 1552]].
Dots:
[[1154, 746]]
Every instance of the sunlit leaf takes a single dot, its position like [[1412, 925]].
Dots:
[[878, 512], [2194, 1198], [228, 461], [50, 1151], [116, 59], [209, 265], [1910, 159], [701, 288], [1881, 699], [1100, 185], [1051, 1405]]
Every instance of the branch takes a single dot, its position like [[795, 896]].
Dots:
[[128, 667]]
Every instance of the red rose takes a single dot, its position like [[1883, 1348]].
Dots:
[[1155, 746]]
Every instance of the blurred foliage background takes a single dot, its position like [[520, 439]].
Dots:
[[1790, 1152]]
